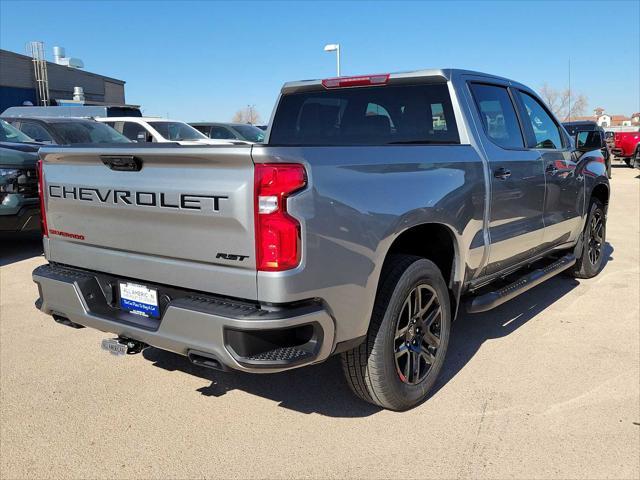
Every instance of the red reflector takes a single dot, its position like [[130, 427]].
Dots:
[[359, 81], [277, 233], [43, 213]]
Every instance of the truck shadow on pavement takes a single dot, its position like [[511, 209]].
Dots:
[[322, 388], [17, 247]]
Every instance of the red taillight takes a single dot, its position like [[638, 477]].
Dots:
[[43, 213], [359, 81], [277, 233]]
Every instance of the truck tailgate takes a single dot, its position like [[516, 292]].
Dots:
[[184, 219]]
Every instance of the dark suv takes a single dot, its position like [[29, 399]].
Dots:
[[19, 204], [588, 126]]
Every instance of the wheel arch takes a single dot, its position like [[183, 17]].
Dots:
[[436, 242], [601, 192]]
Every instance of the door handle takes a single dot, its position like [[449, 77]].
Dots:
[[122, 163], [502, 173]]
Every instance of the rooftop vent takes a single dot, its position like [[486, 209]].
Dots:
[[60, 58]]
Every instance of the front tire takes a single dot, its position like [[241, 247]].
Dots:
[[591, 256], [404, 351]]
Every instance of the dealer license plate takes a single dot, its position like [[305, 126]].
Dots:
[[139, 299]]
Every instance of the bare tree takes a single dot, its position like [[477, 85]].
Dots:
[[563, 103], [247, 114]]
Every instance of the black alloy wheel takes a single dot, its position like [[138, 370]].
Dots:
[[417, 336], [596, 237]]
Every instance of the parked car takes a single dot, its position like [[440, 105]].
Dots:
[[627, 147], [66, 131], [149, 129], [230, 131], [588, 126], [361, 227], [19, 201]]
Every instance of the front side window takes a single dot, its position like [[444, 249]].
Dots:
[[379, 115], [135, 131], [176, 131], [498, 115], [545, 130]]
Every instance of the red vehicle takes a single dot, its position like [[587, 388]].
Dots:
[[627, 147]]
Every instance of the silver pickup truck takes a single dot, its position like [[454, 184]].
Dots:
[[377, 206]]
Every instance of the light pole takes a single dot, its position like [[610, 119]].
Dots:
[[334, 47]]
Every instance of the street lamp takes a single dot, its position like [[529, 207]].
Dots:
[[334, 47]]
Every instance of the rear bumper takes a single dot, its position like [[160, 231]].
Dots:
[[238, 335]]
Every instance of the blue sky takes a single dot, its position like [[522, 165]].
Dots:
[[205, 60]]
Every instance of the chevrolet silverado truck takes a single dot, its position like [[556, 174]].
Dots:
[[376, 209]]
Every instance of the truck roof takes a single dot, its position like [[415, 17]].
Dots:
[[442, 74]]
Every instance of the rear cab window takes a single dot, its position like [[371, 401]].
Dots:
[[372, 115]]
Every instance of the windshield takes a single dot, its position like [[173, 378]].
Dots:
[[177, 131], [87, 132], [249, 133], [9, 133]]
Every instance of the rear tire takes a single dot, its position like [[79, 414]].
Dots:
[[591, 256], [399, 361]]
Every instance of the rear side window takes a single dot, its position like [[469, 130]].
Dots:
[[221, 133], [87, 132], [384, 115], [498, 115], [36, 132]]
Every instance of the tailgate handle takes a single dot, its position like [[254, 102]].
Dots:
[[122, 163]]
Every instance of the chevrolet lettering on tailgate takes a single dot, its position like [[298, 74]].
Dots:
[[190, 201]]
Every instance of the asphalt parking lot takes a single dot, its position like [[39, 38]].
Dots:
[[546, 386]]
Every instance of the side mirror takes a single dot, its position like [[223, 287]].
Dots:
[[587, 141]]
